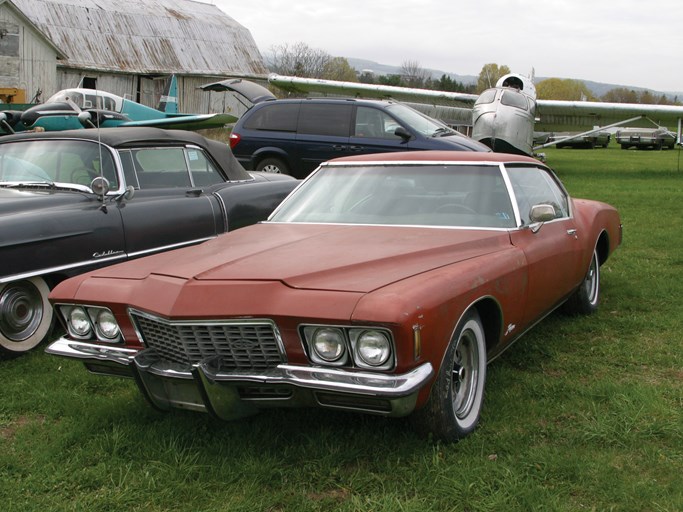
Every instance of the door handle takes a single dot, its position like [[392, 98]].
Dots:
[[355, 148], [572, 232], [338, 147]]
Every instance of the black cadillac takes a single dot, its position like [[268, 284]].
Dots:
[[74, 201]]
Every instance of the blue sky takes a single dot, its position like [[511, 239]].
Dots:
[[623, 42]]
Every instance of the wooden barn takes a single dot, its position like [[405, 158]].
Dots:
[[126, 47]]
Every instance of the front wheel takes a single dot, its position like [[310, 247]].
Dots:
[[274, 165], [25, 315], [586, 298], [457, 395]]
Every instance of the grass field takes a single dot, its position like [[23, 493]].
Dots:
[[581, 414]]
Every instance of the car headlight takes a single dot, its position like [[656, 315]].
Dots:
[[106, 324], [328, 344], [362, 347], [91, 323], [372, 348], [79, 322]]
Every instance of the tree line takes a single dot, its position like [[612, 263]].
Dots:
[[301, 60]]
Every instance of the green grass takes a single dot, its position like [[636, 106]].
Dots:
[[581, 414]]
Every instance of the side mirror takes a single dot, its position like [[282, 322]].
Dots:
[[127, 194], [539, 214], [100, 187], [403, 133], [542, 213]]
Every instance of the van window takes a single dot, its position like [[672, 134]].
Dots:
[[325, 119], [374, 123], [279, 117]]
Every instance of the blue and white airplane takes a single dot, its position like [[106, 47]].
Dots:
[[88, 108]]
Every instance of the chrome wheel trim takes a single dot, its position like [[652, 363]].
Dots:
[[465, 374], [25, 314], [592, 280]]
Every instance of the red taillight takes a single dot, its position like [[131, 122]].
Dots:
[[234, 139]]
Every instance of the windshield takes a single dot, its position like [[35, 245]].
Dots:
[[417, 121], [54, 161], [458, 195]]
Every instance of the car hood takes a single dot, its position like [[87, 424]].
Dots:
[[317, 257]]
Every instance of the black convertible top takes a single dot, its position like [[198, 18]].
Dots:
[[124, 137]]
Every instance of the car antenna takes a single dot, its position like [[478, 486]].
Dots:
[[99, 148]]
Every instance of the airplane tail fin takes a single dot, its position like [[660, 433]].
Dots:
[[168, 103]]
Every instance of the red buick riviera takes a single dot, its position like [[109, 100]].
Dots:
[[383, 284]]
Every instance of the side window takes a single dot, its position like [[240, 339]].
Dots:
[[372, 122], [532, 186], [161, 167], [202, 170], [325, 119], [279, 117], [129, 169]]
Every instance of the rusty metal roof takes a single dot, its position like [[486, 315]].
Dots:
[[145, 36]]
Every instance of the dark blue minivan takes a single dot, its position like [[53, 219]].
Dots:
[[294, 136]]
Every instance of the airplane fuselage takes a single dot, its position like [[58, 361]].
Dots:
[[503, 116]]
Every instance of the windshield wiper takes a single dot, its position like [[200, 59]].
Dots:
[[30, 184]]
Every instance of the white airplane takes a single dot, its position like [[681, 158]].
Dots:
[[503, 117]]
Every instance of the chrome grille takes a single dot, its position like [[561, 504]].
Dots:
[[243, 345]]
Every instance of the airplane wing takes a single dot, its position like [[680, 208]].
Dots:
[[305, 85], [550, 114], [187, 122], [556, 113]]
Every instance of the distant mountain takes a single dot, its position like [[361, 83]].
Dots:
[[384, 69], [597, 88]]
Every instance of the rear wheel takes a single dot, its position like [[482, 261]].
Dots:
[[457, 395], [586, 298], [274, 165], [25, 315]]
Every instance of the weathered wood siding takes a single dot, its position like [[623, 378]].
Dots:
[[27, 60], [129, 47]]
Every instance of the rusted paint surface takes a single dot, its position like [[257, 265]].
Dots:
[[145, 36]]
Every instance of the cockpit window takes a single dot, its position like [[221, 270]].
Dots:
[[486, 97], [514, 99], [87, 100]]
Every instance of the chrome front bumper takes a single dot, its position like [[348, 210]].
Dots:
[[238, 393]]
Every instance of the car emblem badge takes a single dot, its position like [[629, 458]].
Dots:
[[243, 344]]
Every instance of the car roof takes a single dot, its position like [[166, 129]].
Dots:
[[440, 156], [124, 137], [112, 136], [361, 101]]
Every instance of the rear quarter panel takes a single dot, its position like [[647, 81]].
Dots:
[[594, 218]]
